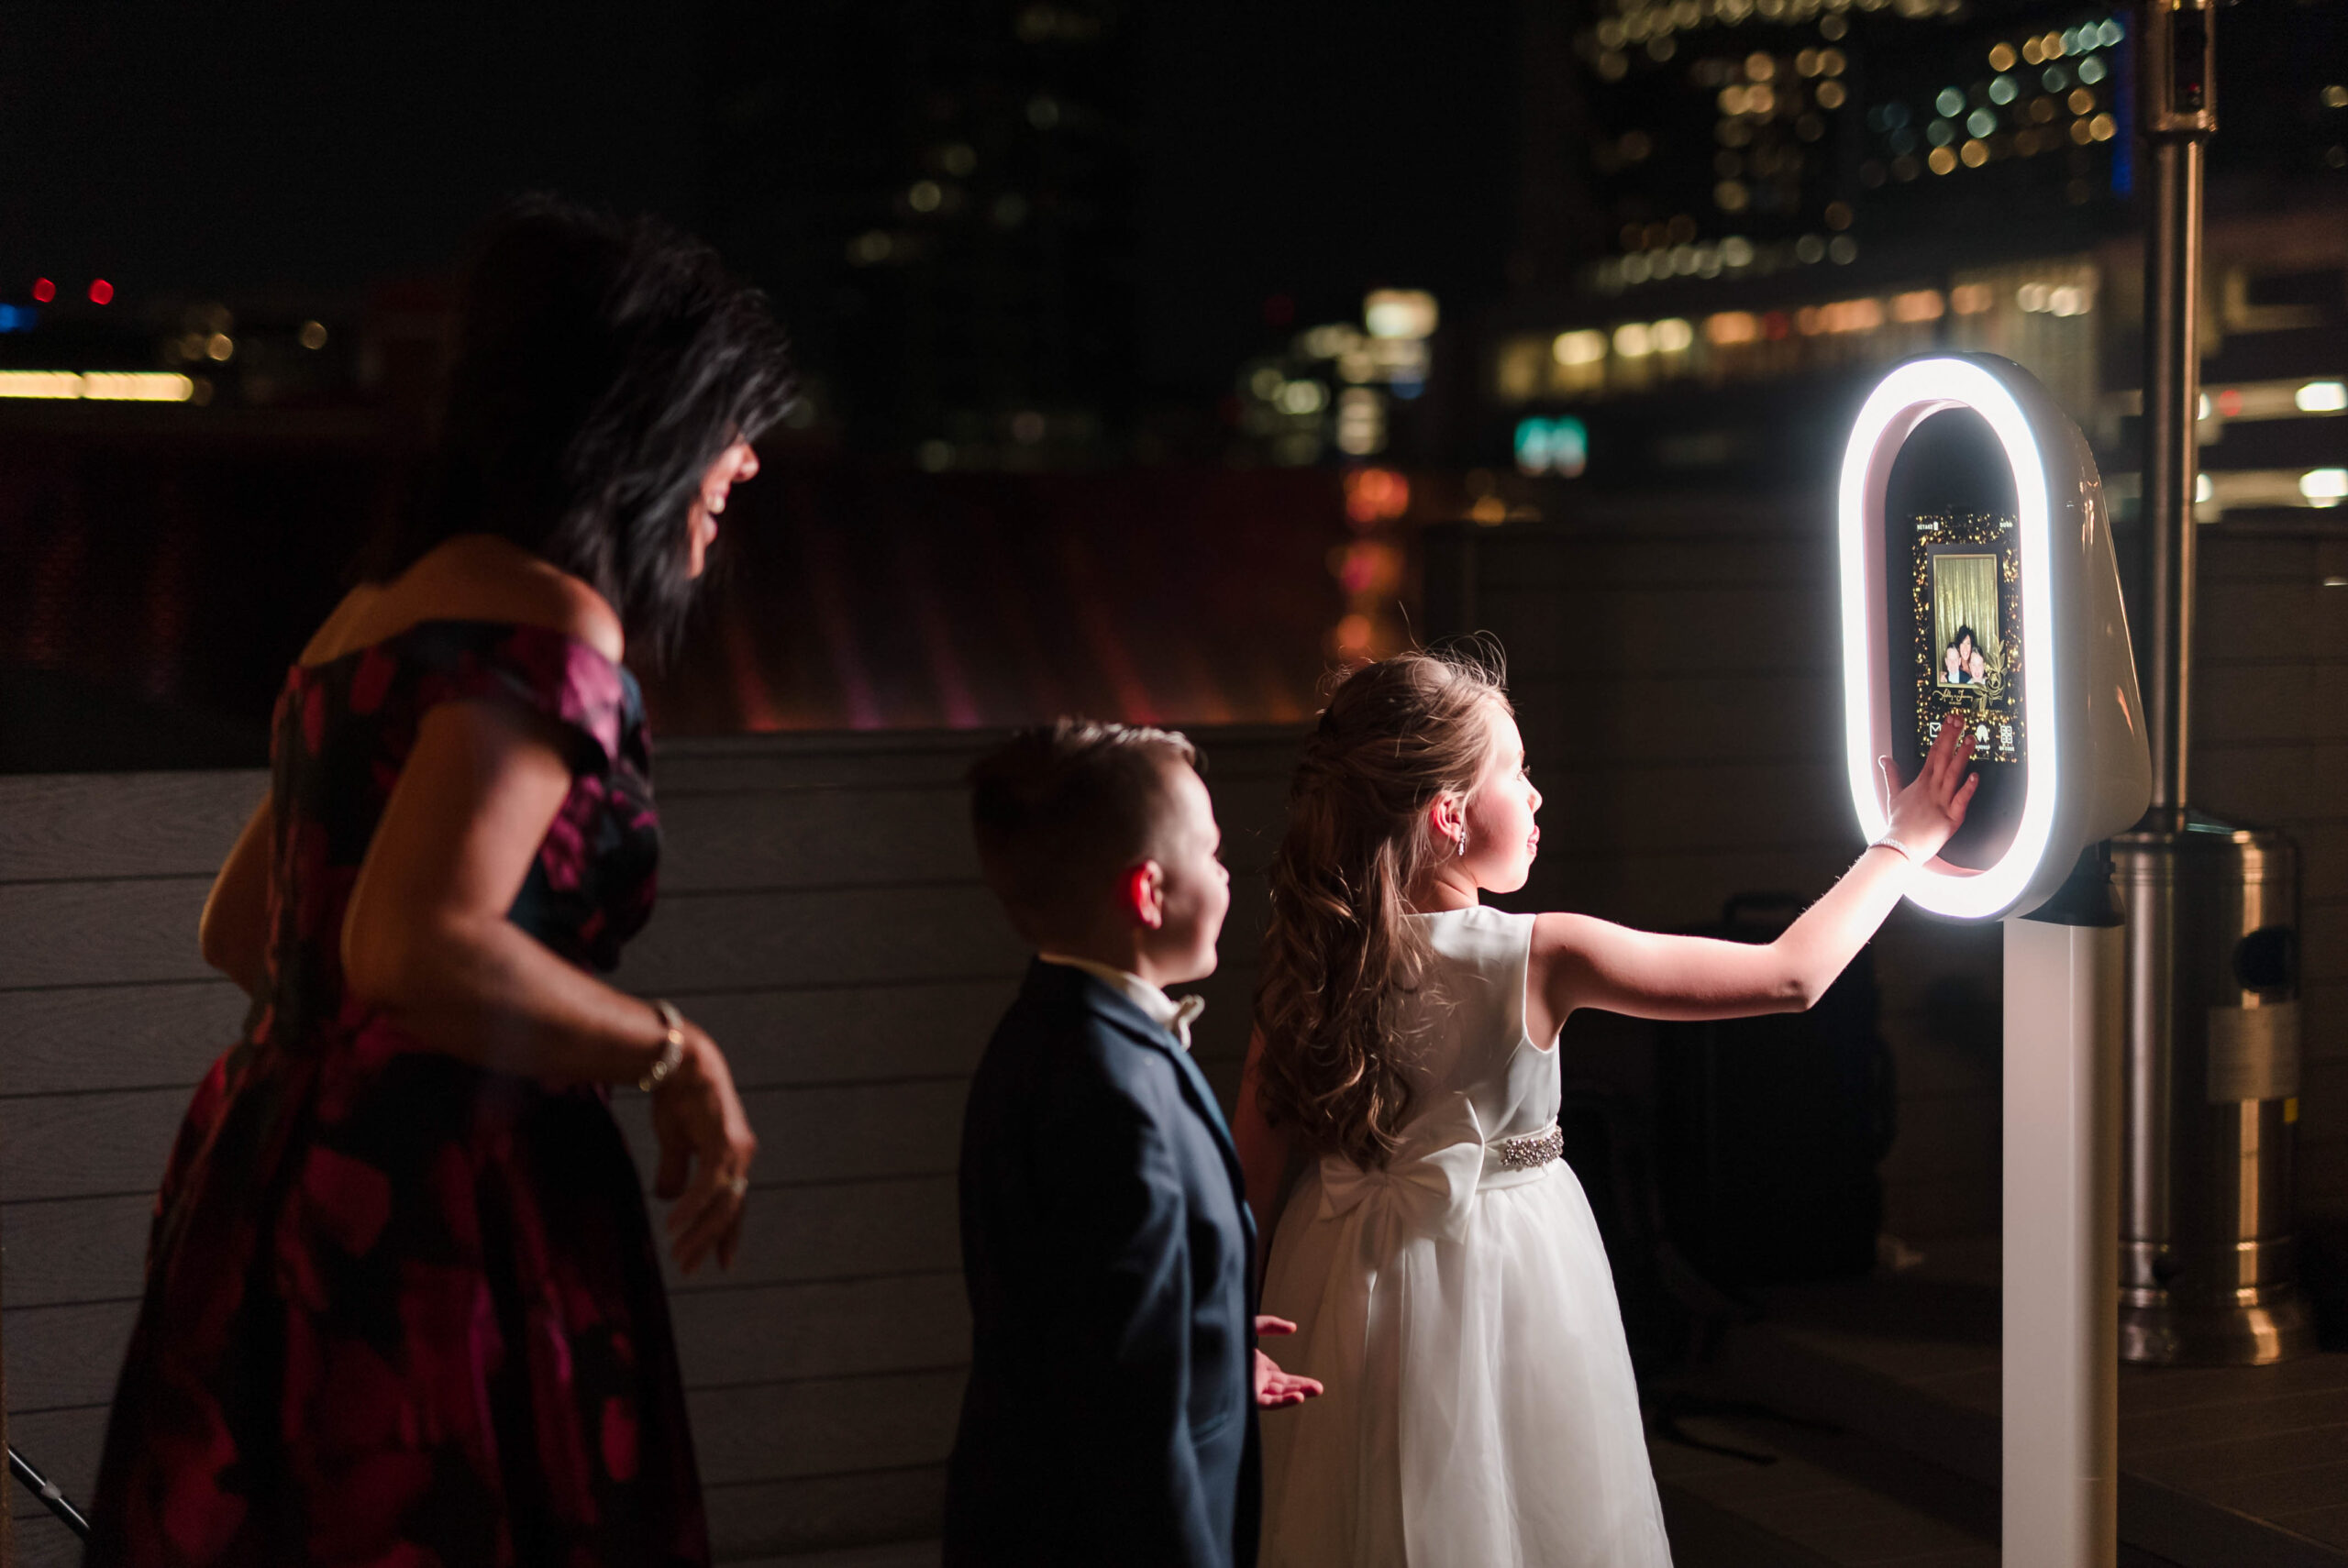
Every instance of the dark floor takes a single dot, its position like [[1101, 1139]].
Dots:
[[2227, 1467], [1857, 1424]]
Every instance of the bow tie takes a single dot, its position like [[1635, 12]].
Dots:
[[1186, 1013]]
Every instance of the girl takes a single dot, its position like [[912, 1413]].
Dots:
[[1446, 1271]]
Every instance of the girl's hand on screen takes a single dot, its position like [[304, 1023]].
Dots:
[[1925, 813]]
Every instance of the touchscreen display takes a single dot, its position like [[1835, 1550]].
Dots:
[[1968, 638]]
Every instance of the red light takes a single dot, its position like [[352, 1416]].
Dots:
[[2229, 403], [100, 290], [43, 290]]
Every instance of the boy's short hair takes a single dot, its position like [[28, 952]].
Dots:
[[1058, 808]]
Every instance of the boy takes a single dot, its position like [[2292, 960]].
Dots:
[[1106, 1243]]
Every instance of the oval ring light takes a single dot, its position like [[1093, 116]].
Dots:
[[2068, 607]]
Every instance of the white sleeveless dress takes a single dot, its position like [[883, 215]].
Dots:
[[1481, 1409]]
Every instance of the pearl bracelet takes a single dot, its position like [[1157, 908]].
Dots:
[[1887, 841], [672, 1048]]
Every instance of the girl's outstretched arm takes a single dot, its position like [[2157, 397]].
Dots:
[[1578, 961]]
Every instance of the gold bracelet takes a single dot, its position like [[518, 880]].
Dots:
[[673, 1047]]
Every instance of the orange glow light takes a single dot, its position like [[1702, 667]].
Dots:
[[1376, 495]]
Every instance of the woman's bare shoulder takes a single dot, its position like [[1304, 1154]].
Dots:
[[475, 578]]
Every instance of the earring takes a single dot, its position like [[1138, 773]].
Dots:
[[1462, 841]]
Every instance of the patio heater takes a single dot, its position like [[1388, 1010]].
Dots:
[[2012, 624], [2207, 1267]]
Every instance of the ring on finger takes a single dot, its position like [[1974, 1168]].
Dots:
[[740, 1186]]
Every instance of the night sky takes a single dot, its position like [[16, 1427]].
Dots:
[[1310, 148]]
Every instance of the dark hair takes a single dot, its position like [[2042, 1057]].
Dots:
[[601, 365], [1341, 956], [1057, 809], [1962, 635]]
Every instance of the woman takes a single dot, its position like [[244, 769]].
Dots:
[[402, 1303], [1969, 662]]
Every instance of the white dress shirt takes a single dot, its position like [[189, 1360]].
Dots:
[[1174, 1016]]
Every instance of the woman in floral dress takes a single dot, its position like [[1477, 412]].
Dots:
[[402, 1303]]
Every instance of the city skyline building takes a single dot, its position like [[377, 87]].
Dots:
[[945, 192], [1778, 196]]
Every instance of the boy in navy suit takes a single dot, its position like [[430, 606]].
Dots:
[[1106, 1241]]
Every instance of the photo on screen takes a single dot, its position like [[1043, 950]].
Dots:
[[1965, 632]]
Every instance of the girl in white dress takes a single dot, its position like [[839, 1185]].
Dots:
[[1439, 1259]]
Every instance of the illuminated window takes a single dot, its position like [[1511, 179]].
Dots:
[[1733, 327], [1399, 312], [1301, 397], [1583, 347], [1922, 305], [1558, 447], [97, 386], [2324, 487], [1361, 421]]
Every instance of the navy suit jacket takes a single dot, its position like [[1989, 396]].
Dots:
[[1108, 1251]]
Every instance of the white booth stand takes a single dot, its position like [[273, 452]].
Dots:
[[2013, 624]]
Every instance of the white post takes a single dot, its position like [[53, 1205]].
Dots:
[[2062, 1244]]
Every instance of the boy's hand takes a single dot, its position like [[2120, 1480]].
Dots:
[[1275, 1388]]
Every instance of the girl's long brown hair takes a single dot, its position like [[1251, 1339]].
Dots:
[[1342, 955]]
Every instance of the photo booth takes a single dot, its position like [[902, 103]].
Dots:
[[2060, 749]]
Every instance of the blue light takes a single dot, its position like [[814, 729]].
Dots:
[[1553, 445], [2123, 109], [17, 319]]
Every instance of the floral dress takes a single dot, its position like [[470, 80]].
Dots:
[[402, 1311]]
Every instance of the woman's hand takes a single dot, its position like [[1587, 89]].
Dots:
[[1925, 813], [704, 1137], [1274, 1388]]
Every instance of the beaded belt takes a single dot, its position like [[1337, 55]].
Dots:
[[1531, 1149]]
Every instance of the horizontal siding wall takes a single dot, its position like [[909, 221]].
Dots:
[[820, 913], [2270, 749]]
